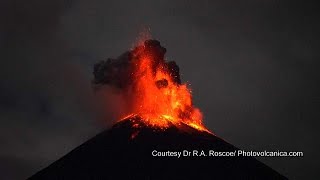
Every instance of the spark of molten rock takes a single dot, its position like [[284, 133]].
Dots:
[[151, 85]]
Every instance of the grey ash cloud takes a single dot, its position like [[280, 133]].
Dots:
[[119, 72]]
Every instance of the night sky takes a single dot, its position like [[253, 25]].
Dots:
[[253, 68]]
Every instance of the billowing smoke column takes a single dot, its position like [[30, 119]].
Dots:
[[120, 72], [151, 86]]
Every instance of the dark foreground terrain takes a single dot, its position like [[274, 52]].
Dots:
[[125, 152]]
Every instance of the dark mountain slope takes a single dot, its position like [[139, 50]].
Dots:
[[125, 152]]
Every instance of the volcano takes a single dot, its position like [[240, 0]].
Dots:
[[128, 149], [161, 134]]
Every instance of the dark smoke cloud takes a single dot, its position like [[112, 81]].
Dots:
[[114, 78], [119, 72]]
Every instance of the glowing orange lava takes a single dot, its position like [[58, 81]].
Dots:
[[158, 99]]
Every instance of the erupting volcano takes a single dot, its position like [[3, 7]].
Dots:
[[151, 85], [159, 124]]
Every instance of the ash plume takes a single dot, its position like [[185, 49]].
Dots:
[[119, 72], [114, 78]]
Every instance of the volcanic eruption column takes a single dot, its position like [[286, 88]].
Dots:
[[152, 86]]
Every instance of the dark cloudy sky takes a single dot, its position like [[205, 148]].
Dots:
[[253, 65]]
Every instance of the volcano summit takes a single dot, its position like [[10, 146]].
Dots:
[[161, 134]]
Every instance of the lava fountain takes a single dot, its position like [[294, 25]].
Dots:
[[152, 87]]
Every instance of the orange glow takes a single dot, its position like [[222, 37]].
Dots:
[[160, 106]]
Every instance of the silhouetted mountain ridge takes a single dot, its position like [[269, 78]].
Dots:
[[125, 152]]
